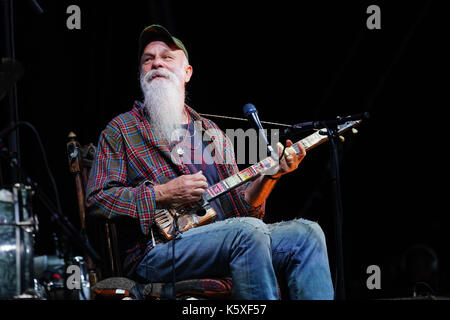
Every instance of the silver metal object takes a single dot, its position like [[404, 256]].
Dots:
[[85, 290], [17, 227]]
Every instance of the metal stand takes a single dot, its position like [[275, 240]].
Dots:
[[332, 131], [9, 51], [7, 11], [338, 214]]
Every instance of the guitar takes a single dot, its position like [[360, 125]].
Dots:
[[205, 214]]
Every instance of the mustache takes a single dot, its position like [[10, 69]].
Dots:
[[152, 74]]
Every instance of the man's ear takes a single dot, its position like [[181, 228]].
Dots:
[[188, 73]]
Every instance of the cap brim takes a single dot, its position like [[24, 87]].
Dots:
[[155, 33]]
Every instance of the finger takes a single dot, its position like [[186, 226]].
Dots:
[[197, 193], [194, 180], [291, 156], [198, 176], [199, 184], [292, 162], [289, 152], [288, 143], [283, 162], [302, 150], [280, 149]]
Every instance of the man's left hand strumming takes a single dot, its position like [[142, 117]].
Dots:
[[290, 160], [260, 189]]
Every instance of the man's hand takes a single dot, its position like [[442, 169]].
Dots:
[[182, 191], [290, 161], [258, 191]]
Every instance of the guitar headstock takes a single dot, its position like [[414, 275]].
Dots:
[[348, 125], [344, 127]]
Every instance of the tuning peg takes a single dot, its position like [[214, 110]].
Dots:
[[341, 138], [354, 131]]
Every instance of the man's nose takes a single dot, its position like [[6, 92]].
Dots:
[[158, 62]]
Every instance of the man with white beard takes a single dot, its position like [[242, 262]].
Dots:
[[134, 174]]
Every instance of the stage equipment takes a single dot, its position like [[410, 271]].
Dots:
[[17, 229]]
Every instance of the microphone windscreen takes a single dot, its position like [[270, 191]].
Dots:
[[249, 109]]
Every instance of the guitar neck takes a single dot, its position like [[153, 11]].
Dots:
[[255, 170]]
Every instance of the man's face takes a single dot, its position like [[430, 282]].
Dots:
[[164, 74], [158, 55]]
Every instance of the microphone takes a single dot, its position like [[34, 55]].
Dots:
[[251, 114]]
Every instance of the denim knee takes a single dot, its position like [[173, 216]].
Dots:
[[315, 235], [301, 232], [250, 229]]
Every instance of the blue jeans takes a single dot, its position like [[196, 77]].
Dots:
[[253, 253]]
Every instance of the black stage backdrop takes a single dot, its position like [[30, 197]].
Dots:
[[295, 61]]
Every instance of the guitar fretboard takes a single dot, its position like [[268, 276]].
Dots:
[[251, 172], [239, 178]]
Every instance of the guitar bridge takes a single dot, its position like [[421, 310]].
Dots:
[[187, 219], [163, 218]]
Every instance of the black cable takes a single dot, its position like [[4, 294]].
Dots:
[[44, 158], [174, 294], [175, 233], [36, 7]]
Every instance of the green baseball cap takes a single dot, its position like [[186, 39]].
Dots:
[[157, 32]]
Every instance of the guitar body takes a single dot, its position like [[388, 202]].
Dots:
[[186, 220]]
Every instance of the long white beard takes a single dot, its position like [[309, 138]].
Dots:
[[164, 102]]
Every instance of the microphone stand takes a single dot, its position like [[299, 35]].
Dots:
[[338, 212], [332, 132], [311, 125]]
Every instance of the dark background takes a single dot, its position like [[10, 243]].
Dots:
[[295, 61]]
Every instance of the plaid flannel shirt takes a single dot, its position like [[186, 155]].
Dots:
[[131, 159]]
